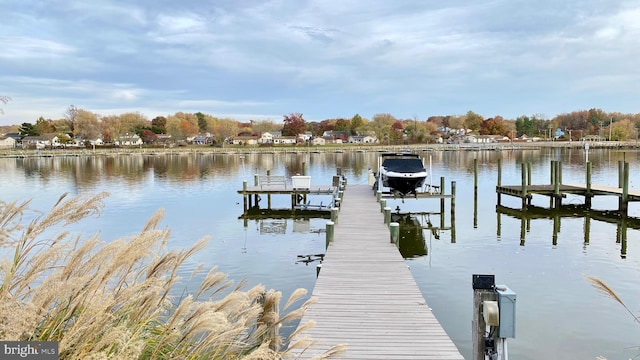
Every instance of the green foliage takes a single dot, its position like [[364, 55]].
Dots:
[[202, 122], [473, 121], [357, 124], [27, 129]]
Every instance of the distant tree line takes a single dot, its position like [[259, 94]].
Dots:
[[83, 124]]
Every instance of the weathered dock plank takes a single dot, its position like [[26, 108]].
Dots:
[[366, 295]]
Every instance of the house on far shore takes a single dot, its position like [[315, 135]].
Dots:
[[41, 142], [338, 137], [245, 140], [128, 140], [318, 141], [7, 142], [359, 139]]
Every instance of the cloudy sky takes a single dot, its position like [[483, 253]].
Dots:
[[250, 59]]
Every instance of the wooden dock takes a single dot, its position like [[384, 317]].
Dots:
[[557, 190], [366, 295]]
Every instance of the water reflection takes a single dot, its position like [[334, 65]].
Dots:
[[412, 241], [622, 222]]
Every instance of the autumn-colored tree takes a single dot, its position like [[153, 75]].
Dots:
[[222, 129], [456, 122], [327, 125], [158, 125], [473, 121], [493, 126], [133, 123], [343, 125], [86, 125], [70, 117], [294, 124], [264, 126], [148, 136], [44, 126], [380, 124]]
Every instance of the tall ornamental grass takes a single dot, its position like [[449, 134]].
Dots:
[[111, 300]]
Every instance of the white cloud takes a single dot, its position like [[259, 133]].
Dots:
[[17, 48]]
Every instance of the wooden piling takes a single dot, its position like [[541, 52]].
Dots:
[[394, 233], [524, 187], [624, 199], [588, 195], [387, 215], [244, 194], [475, 175], [499, 180], [442, 193], [334, 214], [329, 231]]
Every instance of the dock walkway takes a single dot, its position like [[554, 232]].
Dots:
[[366, 295]]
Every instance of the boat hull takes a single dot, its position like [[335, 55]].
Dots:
[[403, 183]]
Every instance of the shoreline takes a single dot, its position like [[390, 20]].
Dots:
[[337, 148]]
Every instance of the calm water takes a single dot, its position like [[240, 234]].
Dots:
[[559, 315]]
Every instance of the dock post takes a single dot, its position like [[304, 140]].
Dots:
[[620, 173], [341, 194], [475, 176], [387, 215], [244, 195], [383, 204], [557, 197], [523, 230], [528, 172], [483, 290], [378, 195], [394, 232], [624, 199], [268, 194], [453, 212], [256, 180], [499, 179], [442, 193], [334, 214], [588, 195], [329, 230], [523, 188]]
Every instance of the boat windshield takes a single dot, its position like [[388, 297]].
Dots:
[[404, 165]]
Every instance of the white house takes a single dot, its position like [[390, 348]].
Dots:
[[129, 140], [285, 140], [266, 138], [40, 142], [7, 142], [359, 139], [305, 136], [245, 140], [318, 141]]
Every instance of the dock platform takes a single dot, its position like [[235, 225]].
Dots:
[[366, 295]]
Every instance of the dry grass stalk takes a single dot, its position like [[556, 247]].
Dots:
[[112, 300], [606, 290]]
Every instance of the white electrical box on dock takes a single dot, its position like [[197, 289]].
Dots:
[[507, 305]]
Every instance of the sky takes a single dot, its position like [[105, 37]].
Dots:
[[260, 60]]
